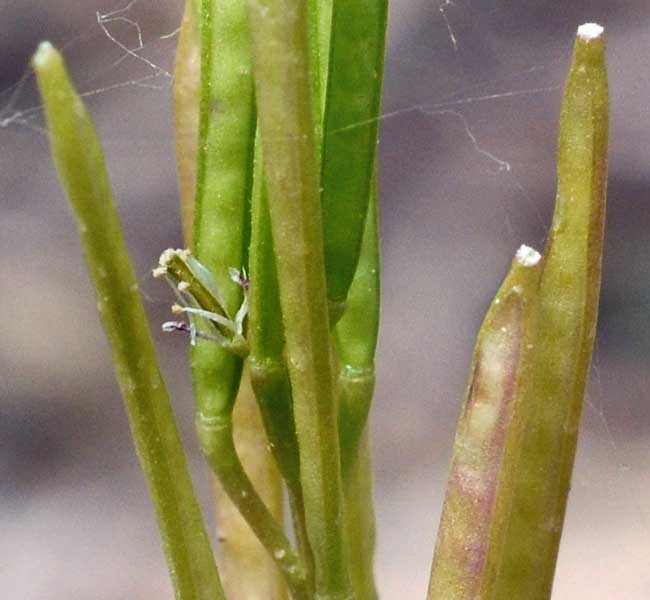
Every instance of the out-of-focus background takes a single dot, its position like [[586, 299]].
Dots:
[[467, 146]]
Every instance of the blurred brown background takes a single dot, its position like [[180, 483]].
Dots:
[[467, 174]]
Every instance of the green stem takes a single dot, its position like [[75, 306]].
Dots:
[[247, 570], [281, 58], [267, 367], [568, 304], [266, 338], [216, 438], [360, 522], [320, 28], [272, 388], [80, 163], [356, 341]]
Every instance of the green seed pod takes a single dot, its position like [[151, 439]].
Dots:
[[568, 306], [479, 492], [80, 163], [351, 121]]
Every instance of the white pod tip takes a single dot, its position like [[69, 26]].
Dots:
[[527, 256], [590, 31]]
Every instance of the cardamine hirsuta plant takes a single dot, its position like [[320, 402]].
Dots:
[[277, 105]]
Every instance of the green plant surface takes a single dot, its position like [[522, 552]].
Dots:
[[479, 491], [80, 164], [351, 119], [216, 435], [320, 29], [266, 336], [221, 237], [567, 307], [280, 31], [351, 77]]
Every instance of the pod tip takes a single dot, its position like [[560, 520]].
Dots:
[[590, 31], [527, 256], [42, 54]]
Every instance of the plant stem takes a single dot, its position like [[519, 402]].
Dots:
[[356, 342], [320, 29], [360, 522], [479, 491], [216, 438], [266, 338], [247, 570], [568, 304], [281, 58], [80, 163], [268, 370]]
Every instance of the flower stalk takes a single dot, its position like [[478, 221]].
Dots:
[[247, 570]]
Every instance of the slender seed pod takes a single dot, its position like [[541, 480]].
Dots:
[[350, 136], [224, 182], [224, 169], [240, 548], [479, 492], [568, 305], [80, 163]]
